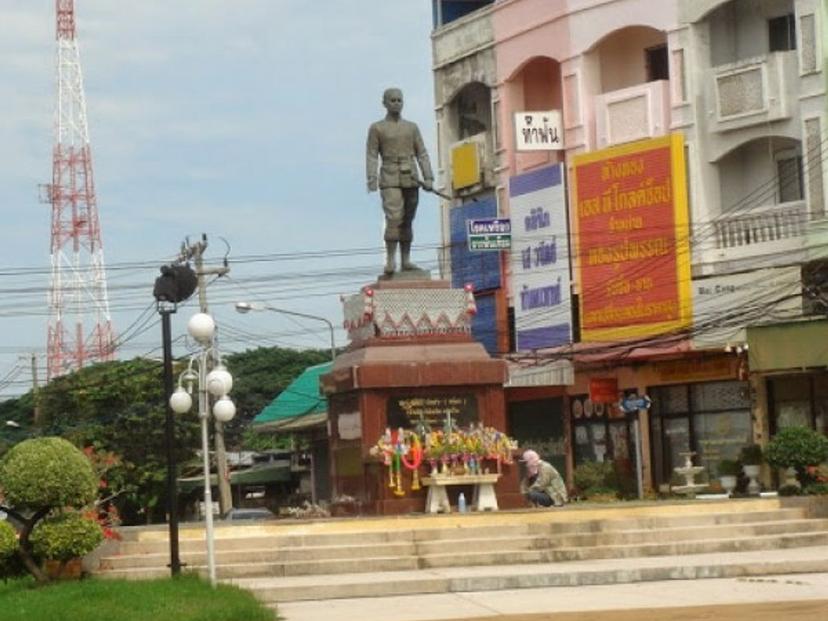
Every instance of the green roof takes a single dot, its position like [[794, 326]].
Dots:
[[259, 474], [301, 398]]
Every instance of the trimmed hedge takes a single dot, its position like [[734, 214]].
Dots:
[[66, 536], [47, 472], [8, 540]]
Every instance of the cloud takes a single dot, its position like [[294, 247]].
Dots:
[[242, 118]]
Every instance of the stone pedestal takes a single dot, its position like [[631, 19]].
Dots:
[[411, 356]]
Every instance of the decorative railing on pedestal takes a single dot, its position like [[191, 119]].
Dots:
[[772, 223]]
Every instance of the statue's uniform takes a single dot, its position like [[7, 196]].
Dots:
[[399, 144]]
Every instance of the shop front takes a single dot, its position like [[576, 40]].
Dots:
[[788, 365], [697, 403], [710, 419]]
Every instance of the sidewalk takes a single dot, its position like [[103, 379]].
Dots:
[[794, 597]]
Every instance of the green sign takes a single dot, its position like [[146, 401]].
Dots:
[[489, 234]]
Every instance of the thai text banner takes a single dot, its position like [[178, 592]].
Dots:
[[540, 259], [630, 207]]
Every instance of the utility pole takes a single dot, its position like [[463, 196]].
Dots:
[[196, 252], [35, 390]]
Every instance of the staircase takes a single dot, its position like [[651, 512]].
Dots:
[[288, 561]]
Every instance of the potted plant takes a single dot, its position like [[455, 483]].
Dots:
[[751, 459], [799, 448], [728, 474]]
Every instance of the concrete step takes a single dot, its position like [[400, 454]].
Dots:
[[229, 571], [258, 541], [704, 546], [612, 571], [260, 538], [468, 556], [665, 521], [689, 533], [266, 555], [333, 547]]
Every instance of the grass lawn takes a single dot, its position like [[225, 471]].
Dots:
[[184, 599]]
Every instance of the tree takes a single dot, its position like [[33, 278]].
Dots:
[[798, 448], [119, 407], [45, 477]]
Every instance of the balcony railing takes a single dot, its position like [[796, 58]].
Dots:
[[751, 91], [463, 37], [633, 113], [770, 224]]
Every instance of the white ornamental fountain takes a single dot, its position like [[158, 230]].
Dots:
[[689, 472]]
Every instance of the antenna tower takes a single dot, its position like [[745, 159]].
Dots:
[[80, 328]]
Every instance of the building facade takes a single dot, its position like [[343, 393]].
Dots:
[[662, 167]]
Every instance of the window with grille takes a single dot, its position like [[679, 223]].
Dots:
[[791, 183]]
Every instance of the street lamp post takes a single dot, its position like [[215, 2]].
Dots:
[[246, 307], [217, 383]]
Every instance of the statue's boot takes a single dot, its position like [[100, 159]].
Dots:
[[405, 253], [390, 261]]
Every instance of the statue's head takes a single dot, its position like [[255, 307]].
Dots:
[[392, 99]]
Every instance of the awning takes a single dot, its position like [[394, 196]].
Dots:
[[299, 406], [256, 475], [795, 345], [557, 373]]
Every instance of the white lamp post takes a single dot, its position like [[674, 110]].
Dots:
[[217, 383]]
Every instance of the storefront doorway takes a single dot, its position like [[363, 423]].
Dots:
[[711, 419]]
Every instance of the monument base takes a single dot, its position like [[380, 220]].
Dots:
[[405, 276], [411, 362]]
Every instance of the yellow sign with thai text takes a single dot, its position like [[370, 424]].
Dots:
[[632, 240]]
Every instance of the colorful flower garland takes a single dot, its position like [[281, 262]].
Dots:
[[456, 451]]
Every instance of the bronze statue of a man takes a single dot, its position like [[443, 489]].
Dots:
[[399, 143]]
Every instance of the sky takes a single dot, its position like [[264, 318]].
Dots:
[[242, 119]]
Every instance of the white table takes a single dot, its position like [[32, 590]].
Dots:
[[484, 495]]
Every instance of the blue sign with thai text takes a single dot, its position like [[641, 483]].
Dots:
[[540, 259]]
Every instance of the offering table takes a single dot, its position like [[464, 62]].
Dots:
[[484, 498]]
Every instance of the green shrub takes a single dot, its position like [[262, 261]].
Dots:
[[798, 448], [816, 489], [789, 490], [8, 540], [596, 479], [729, 468], [751, 455], [47, 472], [66, 536]]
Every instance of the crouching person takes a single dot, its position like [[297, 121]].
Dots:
[[543, 486]]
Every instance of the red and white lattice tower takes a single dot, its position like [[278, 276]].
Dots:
[[80, 328]]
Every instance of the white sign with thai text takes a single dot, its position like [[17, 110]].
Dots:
[[539, 131], [540, 259]]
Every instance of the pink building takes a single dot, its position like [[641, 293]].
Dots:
[[662, 166]]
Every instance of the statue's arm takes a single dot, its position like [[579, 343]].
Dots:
[[372, 158], [422, 159]]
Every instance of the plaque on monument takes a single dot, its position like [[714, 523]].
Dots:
[[407, 410]]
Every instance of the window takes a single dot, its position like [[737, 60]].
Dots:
[[799, 401], [782, 33], [791, 182], [658, 67], [711, 419]]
